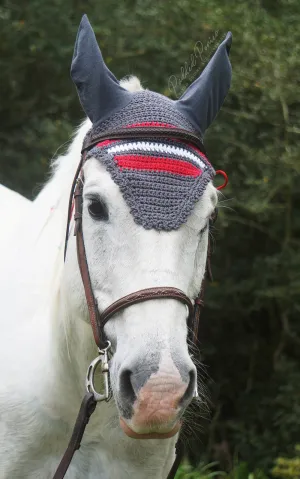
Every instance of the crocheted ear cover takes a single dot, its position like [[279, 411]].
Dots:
[[160, 180]]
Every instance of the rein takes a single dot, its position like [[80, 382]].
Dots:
[[98, 320]]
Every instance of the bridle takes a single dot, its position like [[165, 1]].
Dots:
[[97, 319]]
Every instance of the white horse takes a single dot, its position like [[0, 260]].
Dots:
[[13, 207], [47, 342]]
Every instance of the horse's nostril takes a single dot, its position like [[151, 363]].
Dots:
[[126, 388], [189, 392]]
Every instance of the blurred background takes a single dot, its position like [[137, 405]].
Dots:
[[250, 328]]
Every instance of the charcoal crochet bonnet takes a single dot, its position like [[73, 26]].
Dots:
[[161, 179]]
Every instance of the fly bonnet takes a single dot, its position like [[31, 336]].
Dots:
[[162, 177]]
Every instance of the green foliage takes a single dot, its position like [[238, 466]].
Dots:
[[242, 471], [286, 468], [208, 471], [250, 329]]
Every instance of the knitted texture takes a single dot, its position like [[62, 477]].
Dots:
[[145, 108], [161, 180]]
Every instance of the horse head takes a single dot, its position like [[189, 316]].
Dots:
[[146, 205]]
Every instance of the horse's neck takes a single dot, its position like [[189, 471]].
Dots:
[[71, 349]]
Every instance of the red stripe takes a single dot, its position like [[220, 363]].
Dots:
[[106, 142], [150, 123], [155, 163]]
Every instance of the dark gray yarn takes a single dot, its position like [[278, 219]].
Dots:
[[109, 105], [146, 106], [163, 196], [157, 199]]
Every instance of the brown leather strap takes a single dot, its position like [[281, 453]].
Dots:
[[199, 301], [145, 295], [70, 203], [84, 269], [178, 458], [92, 138], [87, 408], [98, 321]]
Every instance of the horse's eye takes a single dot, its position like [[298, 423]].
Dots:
[[98, 210]]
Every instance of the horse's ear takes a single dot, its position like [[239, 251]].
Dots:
[[99, 91], [203, 99]]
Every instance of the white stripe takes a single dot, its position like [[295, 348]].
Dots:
[[157, 148]]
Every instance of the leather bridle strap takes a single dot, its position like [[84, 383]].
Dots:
[[179, 451], [88, 404], [84, 269], [145, 295], [98, 320], [87, 408], [92, 138]]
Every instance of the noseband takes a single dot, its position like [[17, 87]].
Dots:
[[98, 320]]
